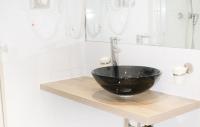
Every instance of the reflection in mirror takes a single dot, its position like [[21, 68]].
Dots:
[[169, 23]]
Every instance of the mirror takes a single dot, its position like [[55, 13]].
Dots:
[[169, 23]]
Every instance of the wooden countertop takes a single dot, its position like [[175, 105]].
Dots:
[[147, 108]]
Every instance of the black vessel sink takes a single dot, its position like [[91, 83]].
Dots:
[[126, 80]]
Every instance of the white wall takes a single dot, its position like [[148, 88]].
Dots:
[[31, 60]]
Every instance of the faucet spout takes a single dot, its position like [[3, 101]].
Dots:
[[114, 50]]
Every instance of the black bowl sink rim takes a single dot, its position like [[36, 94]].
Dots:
[[126, 80], [156, 72]]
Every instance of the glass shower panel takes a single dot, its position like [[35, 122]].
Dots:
[[195, 4], [174, 23]]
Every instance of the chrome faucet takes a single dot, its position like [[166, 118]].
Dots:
[[114, 50]]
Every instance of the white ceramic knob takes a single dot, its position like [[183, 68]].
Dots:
[[105, 60], [179, 71]]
